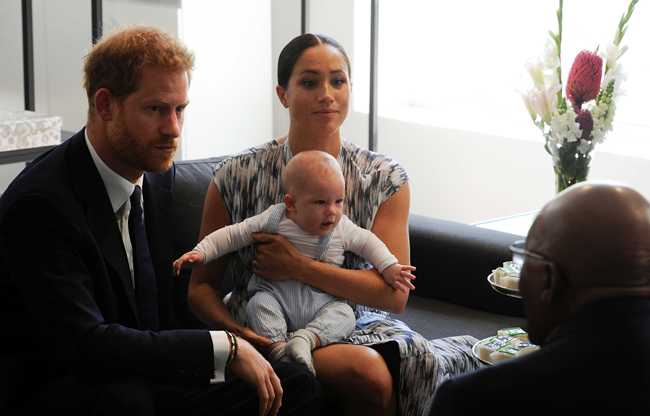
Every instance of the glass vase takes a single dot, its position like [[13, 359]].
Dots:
[[571, 167]]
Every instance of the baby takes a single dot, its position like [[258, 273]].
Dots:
[[296, 317]]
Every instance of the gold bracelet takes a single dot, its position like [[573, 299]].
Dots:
[[232, 348], [235, 345]]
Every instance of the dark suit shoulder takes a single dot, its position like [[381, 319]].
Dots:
[[484, 389], [569, 374]]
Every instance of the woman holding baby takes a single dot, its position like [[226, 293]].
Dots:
[[384, 367]]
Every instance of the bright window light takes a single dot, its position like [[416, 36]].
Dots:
[[461, 65]]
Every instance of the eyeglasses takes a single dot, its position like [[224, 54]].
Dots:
[[519, 253]]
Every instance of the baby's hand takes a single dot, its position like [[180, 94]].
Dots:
[[399, 277], [191, 258]]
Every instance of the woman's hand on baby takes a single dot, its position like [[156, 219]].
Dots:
[[275, 257], [191, 258], [399, 277], [258, 341]]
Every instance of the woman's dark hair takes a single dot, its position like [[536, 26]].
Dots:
[[294, 49]]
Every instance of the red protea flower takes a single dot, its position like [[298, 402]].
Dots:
[[586, 122], [584, 78]]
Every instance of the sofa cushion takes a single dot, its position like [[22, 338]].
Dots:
[[453, 261], [191, 181], [437, 319]]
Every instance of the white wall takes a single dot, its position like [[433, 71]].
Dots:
[[230, 95], [11, 71], [161, 13], [62, 37], [285, 25], [7, 173]]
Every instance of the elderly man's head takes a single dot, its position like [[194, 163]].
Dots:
[[591, 241]]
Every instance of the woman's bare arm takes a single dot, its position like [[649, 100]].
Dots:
[[277, 258], [204, 295]]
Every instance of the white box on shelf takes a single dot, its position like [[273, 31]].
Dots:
[[27, 129]]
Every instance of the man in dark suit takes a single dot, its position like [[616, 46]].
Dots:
[[86, 285], [586, 288]]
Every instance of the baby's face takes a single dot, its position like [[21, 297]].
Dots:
[[320, 205]]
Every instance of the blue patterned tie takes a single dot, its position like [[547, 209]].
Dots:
[[144, 275]]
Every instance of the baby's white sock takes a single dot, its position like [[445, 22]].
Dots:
[[299, 348]]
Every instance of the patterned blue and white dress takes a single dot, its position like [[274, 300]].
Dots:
[[250, 182]]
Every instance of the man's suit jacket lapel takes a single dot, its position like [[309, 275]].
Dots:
[[90, 189]]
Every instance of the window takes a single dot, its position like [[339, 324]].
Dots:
[[461, 65]]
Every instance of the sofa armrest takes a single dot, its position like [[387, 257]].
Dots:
[[453, 261]]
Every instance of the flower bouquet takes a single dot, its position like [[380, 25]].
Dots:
[[573, 124]]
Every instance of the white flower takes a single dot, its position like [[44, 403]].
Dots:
[[536, 71], [619, 77], [528, 102], [612, 54], [553, 78], [614, 71], [603, 116], [551, 59], [564, 128], [544, 102]]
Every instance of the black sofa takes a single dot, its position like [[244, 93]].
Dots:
[[452, 259], [452, 295]]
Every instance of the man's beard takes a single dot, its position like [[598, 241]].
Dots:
[[137, 152]]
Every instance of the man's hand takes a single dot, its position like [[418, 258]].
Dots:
[[191, 258], [250, 366], [276, 258], [399, 277]]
